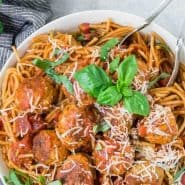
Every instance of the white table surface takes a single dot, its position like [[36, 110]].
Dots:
[[170, 19]]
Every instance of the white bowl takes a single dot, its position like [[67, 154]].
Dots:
[[70, 23]]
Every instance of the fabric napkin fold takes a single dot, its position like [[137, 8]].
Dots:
[[20, 18]]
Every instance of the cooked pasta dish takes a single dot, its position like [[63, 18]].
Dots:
[[78, 109]]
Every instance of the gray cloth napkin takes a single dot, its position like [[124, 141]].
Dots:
[[20, 18]]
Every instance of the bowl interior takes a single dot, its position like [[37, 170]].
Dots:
[[69, 23]]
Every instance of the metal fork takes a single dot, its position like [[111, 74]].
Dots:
[[149, 20], [179, 53]]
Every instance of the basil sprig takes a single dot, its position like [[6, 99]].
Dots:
[[48, 67], [93, 80], [107, 47], [134, 101], [97, 83]]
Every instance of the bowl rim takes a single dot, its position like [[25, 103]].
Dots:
[[11, 61]]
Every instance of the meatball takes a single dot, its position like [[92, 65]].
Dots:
[[47, 148], [36, 92], [107, 180], [159, 127], [79, 96], [19, 149], [144, 173], [28, 124], [76, 170], [75, 126], [113, 157], [119, 119]]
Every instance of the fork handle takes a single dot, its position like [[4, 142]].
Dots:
[[157, 11]]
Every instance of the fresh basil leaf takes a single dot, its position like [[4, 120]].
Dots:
[[80, 38], [63, 59], [57, 182], [60, 79], [107, 47], [42, 180], [45, 64], [102, 127], [1, 27], [162, 76], [14, 178], [109, 96], [7, 180], [67, 83], [126, 91], [42, 64], [179, 174], [127, 70], [114, 64], [98, 147], [93, 79], [137, 104], [17, 178], [56, 52], [29, 182]]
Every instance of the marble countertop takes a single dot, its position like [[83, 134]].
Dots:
[[170, 19]]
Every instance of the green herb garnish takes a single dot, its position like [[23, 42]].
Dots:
[[80, 38], [93, 79], [162, 76], [45, 64], [102, 127], [126, 91], [57, 182], [18, 178], [179, 174], [48, 68], [60, 79], [107, 47], [109, 96], [56, 52], [137, 104], [114, 64], [127, 71], [96, 82], [42, 180]]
